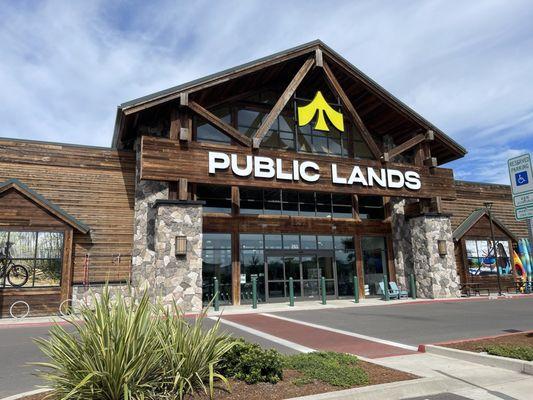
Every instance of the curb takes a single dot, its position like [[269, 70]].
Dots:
[[525, 367], [389, 391], [22, 395]]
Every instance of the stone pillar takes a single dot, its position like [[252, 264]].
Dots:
[[401, 242], [143, 252], [178, 278], [155, 267], [436, 276]]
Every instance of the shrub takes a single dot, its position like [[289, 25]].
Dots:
[[337, 369], [252, 364], [511, 351], [131, 350]]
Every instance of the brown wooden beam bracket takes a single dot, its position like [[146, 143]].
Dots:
[[218, 123], [175, 125], [282, 101], [409, 144], [430, 162], [367, 137], [183, 189], [319, 58]]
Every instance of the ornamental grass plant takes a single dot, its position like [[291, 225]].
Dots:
[[129, 349]]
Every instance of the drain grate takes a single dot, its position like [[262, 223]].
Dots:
[[512, 330]]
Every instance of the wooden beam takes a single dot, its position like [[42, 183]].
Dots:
[[235, 200], [282, 101], [183, 192], [184, 99], [401, 148], [175, 125], [67, 271], [367, 137], [430, 162], [218, 123], [319, 59]]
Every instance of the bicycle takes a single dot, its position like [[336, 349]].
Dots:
[[17, 275]]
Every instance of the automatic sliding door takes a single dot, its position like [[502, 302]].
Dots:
[[325, 266], [276, 277], [292, 270], [310, 275]]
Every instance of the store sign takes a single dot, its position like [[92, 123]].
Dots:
[[309, 171], [320, 106]]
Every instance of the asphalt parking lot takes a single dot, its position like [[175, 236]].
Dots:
[[410, 324], [17, 350], [427, 323]]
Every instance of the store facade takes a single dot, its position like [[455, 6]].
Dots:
[[293, 166]]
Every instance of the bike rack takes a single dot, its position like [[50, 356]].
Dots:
[[24, 315]]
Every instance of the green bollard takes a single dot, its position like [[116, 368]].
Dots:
[[412, 285], [291, 292], [254, 292], [323, 289], [217, 295], [386, 287], [356, 289]]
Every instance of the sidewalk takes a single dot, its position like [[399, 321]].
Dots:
[[474, 381]]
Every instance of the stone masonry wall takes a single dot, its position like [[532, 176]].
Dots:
[[401, 242], [436, 276], [179, 278], [155, 267]]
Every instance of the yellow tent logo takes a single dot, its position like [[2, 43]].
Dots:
[[320, 105]]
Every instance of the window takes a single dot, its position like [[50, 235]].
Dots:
[[217, 198], [205, 132], [216, 263], [481, 259], [290, 202], [371, 207], [39, 253]]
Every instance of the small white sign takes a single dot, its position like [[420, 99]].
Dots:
[[522, 200], [243, 278], [524, 213], [521, 174]]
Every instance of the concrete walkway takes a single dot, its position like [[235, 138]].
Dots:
[[473, 381]]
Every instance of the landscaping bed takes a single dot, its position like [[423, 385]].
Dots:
[[133, 349], [292, 385], [516, 345]]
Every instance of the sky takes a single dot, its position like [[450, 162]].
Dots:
[[466, 66]]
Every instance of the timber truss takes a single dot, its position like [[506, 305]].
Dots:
[[181, 127]]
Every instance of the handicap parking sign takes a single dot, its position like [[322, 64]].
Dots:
[[521, 178]]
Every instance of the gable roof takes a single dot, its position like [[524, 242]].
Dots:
[[473, 218], [46, 204], [172, 93]]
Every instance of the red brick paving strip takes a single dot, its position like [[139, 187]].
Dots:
[[316, 338]]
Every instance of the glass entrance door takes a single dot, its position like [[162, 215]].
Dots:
[[305, 268]]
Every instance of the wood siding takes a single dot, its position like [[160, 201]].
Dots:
[[17, 210], [472, 195], [94, 185]]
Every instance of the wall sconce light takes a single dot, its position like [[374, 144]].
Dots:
[[181, 245], [441, 244]]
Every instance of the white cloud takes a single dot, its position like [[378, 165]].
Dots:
[[465, 66]]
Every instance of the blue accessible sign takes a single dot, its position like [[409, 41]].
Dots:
[[521, 178]]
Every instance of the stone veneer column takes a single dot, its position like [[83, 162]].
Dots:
[[436, 276], [179, 278], [143, 252], [401, 242], [157, 221]]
